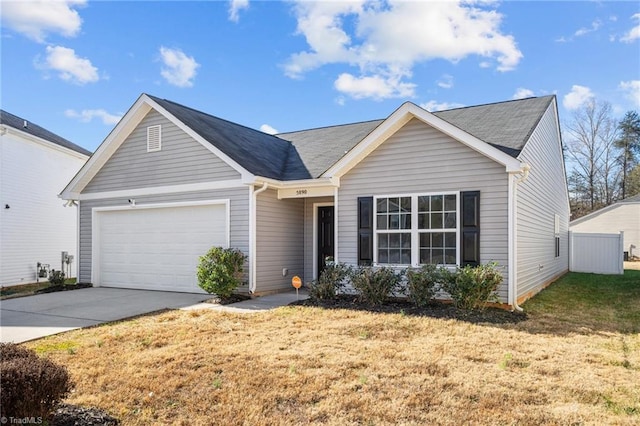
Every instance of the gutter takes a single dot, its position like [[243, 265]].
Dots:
[[513, 233], [252, 235]]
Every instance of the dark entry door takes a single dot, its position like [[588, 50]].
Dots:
[[325, 236]]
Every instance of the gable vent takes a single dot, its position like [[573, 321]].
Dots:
[[154, 138]]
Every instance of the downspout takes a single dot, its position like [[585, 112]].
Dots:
[[252, 236], [513, 231]]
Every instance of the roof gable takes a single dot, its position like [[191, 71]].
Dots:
[[33, 129], [402, 116], [506, 126], [259, 153]]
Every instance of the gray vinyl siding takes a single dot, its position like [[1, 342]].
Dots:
[[239, 218], [540, 197], [419, 159], [182, 160], [309, 243], [279, 241]]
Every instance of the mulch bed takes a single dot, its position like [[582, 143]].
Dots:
[[75, 415], [434, 310], [63, 287], [229, 300]]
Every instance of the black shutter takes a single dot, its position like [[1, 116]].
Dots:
[[470, 235], [365, 231]]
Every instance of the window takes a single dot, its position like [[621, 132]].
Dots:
[[417, 229], [393, 220], [154, 138]]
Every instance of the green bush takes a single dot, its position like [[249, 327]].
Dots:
[[473, 287], [220, 271], [331, 281], [374, 285], [30, 386], [422, 284], [56, 277]]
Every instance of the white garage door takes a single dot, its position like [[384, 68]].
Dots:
[[156, 248]]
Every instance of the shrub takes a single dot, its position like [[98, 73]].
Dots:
[[374, 285], [220, 271], [30, 386], [56, 277], [472, 287], [330, 282], [422, 284]]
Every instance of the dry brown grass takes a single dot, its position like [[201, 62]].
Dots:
[[303, 365]]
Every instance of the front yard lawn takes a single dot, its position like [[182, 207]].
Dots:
[[574, 360]]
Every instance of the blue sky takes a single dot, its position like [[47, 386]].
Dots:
[[75, 67]]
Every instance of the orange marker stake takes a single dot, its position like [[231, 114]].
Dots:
[[296, 282]]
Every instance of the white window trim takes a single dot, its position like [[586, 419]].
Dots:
[[415, 240]]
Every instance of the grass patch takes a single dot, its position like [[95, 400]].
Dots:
[[590, 301], [309, 365]]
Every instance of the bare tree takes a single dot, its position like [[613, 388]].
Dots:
[[592, 155], [629, 143]]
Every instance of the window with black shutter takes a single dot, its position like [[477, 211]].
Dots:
[[365, 231], [470, 228]]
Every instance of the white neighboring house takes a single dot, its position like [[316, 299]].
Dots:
[[35, 226], [623, 215]]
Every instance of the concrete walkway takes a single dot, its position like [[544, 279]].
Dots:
[[255, 305], [33, 317]]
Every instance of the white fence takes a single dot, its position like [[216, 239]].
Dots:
[[596, 253]]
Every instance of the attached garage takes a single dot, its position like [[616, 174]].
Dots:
[[156, 247]]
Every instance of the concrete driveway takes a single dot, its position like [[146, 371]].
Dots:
[[32, 317]]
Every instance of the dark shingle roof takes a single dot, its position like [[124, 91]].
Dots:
[[321, 148], [309, 153], [16, 122], [505, 125], [261, 154]]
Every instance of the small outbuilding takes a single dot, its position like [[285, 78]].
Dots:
[[623, 215]]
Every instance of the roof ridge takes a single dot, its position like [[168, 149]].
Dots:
[[493, 103], [213, 116], [329, 127]]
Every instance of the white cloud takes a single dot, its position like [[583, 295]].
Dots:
[[69, 66], [522, 93], [37, 18], [595, 25], [372, 36], [87, 115], [446, 81], [633, 33], [632, 91], [377, 87], [578, 96], [433, 106], [268, 129], [235, 6], [179, 69]]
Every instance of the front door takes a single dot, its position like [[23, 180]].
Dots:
[[325, 236]]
